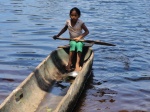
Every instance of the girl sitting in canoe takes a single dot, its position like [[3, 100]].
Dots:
[[75, 27]]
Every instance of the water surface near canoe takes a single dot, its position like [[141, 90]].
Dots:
[[121, 74]]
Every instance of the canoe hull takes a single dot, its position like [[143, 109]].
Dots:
[[29, 94]]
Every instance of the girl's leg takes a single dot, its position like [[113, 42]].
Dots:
[[79, 52], [68, 67], [71, 54], [78, 61]]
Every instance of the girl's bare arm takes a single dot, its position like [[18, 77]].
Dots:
[[86, 32], [62, 31]]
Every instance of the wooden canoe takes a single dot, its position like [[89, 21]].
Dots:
[[45, 84]]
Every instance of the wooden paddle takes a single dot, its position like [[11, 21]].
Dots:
[[88, 41]]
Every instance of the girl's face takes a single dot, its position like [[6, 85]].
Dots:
[[74, 16]]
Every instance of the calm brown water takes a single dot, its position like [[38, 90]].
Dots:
[[121, 74]]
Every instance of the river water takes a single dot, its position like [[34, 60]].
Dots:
[[121, 74]]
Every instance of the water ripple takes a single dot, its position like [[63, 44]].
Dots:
[[120, 73]]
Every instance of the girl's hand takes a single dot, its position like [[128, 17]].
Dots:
[[77, 39], [55, 36]]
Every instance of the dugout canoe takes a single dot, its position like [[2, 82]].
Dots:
[[46, 84]]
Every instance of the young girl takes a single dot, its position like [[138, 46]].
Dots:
[[75, 27]]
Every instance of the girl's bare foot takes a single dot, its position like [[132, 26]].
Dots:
[[78, 68], [68, 68]]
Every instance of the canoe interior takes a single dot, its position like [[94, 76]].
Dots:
[[41, 90]]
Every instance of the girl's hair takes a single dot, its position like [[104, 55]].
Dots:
[[77, 10]]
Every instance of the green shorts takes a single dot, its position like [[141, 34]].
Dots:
[[76, 46]]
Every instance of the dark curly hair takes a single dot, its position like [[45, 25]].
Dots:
[[77, 10]]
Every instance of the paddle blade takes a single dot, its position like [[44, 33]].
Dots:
[[104, 43], [99, 42]]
